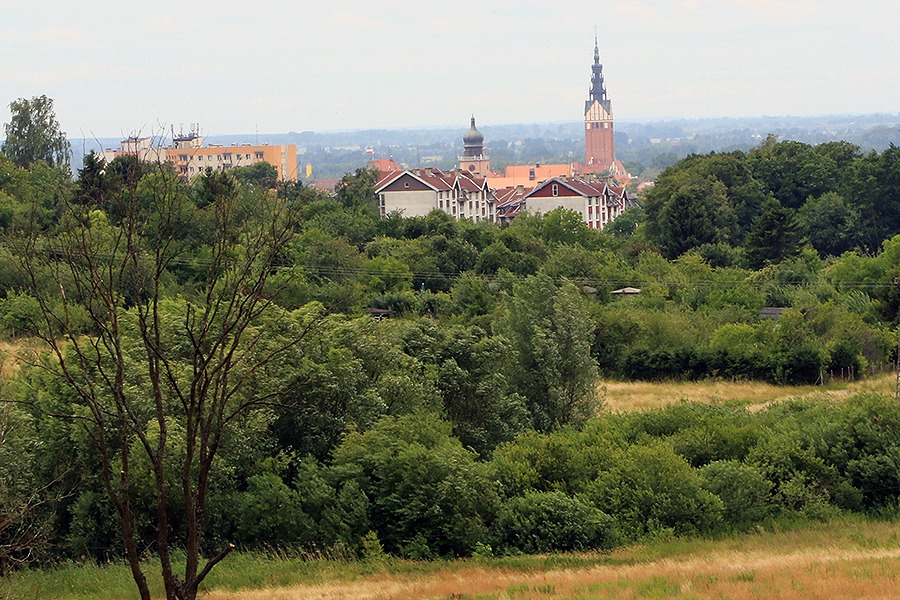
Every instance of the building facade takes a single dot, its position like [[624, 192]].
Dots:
[[191, 158], [417, 192], [598, 203]]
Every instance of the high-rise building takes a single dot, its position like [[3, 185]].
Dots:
[[599, 153], [191, 158]]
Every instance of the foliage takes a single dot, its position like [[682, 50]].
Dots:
[[540, 522], [686, 210], [206, 361], [429, 497], [550, 338], [650, 489], [33, 134], [463, 417], [774, 236]]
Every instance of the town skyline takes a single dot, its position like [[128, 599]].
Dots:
[[114, 69]]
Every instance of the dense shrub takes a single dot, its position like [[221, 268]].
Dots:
[[651, 489], [551, 522], [428, 496], [744, 491]]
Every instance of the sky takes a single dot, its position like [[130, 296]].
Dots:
[[116, 68]]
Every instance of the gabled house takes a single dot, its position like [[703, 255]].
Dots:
[[417, 192], [509, 201], [598, 203]]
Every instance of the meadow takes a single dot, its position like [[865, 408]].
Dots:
[[626, 396], [845, 557]]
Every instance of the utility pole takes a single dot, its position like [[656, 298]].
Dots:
[[897, 366]]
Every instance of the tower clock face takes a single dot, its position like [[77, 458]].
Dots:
[[471, 167]]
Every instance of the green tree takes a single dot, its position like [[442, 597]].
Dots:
[[650, 489], [429, 497], [876, 194], [564, 226], [794, 171], [357, 190], [541, 522], [829, 223], [24, 524], [164, 381], [774, 236], [553, 369], [91, 187], [687, 210], [261, 174], [34, 134]]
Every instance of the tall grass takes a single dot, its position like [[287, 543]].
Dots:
[[848, 557], [623, 396]]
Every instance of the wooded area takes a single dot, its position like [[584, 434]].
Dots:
[[211, 373]]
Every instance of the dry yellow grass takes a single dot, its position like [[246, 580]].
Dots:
[[789, 566], [639, 395], [14, 353]]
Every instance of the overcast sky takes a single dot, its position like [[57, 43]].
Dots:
[[118, 67]]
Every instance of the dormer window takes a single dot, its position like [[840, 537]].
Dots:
[[554, 189]]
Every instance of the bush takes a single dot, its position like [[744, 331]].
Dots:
[[744, 491], [428, 495], [651, 488], [552, 522]]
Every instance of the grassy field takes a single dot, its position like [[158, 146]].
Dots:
[[849, 557], [639, 395]]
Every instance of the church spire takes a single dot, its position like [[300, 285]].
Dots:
[[598, 88], [599, 139]]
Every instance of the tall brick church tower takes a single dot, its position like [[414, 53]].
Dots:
[[599, 153]]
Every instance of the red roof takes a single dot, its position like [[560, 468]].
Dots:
[[383, 165], [435, 179]]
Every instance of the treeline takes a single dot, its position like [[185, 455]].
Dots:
[[467, 415], [406, 484]]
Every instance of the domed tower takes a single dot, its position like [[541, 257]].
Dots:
[[599, 152], [474, 159]]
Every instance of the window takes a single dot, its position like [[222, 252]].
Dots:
[[554, 189]]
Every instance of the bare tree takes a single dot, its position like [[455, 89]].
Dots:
[[151, 366]]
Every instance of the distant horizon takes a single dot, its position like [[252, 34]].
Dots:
[[486, 126]]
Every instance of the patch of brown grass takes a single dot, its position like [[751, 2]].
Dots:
[[18, 352], [639, 395], [784, 566]]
